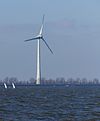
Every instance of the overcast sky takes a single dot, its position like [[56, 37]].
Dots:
[[72, 30]]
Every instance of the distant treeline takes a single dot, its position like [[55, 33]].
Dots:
[[59, 81]]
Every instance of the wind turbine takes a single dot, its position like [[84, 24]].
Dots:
[[39, 37]]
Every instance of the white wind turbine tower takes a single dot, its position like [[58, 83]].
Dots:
[[39, 37]]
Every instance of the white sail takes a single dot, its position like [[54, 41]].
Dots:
[[5, 85], [13, 86]]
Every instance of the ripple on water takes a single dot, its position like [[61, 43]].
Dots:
[[50, 104]]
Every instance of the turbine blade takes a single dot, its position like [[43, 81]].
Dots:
[[31, 39], [41, 29], [47, 45]]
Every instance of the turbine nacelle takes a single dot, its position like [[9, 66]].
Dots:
[[39, 36]]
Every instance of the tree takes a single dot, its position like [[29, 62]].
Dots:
[[70, 81], [32, 81], [95, 81], [13, 80], [6, 80], [51, 81], [77, 81], [43, 80], [84, 81], [60, 80]]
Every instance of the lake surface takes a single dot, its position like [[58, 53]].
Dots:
[[50, 103]]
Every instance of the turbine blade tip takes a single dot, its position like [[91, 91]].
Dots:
[[25, 40], [52, 53]]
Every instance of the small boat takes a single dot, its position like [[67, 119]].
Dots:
[[5, 85], [13, 86]]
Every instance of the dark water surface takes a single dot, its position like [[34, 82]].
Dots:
[[44, 103]]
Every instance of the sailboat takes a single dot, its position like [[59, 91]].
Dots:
[[13, 85], [5, 85]]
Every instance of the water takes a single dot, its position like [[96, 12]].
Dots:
[[44, 103]]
